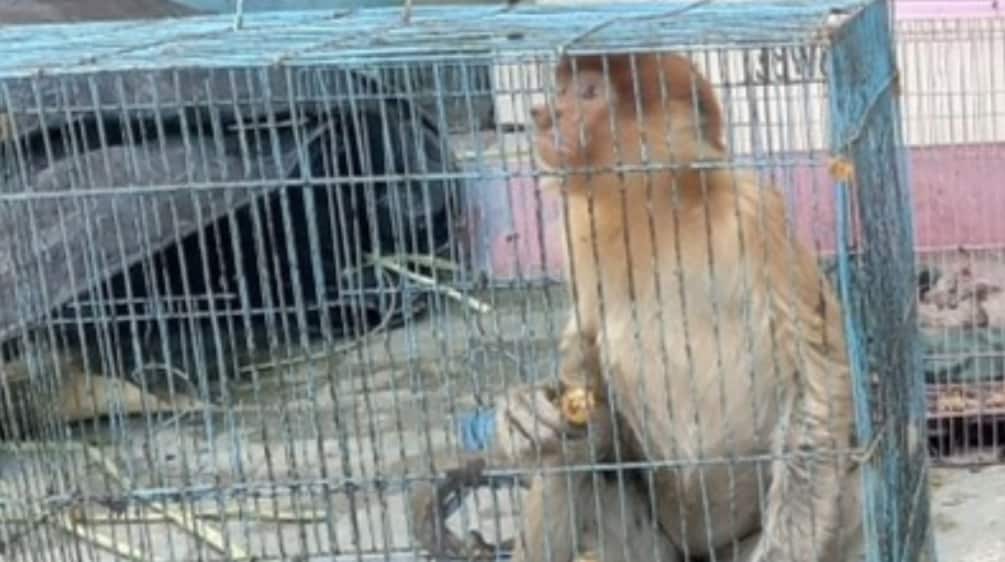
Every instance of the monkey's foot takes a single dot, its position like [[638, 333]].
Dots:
[[433, 504]]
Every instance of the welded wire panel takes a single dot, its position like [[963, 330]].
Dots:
[[136, 138], [268, 290], [954, 121], [377, 35]]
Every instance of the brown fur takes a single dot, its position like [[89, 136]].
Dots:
[[731, 344]]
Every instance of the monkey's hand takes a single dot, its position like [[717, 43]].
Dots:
[[578, 405], [532, 422]]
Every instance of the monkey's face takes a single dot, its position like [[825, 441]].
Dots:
[[574, 131]]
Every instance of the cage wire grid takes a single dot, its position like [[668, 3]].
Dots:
[[377, 35], [244, 367], [953, 127]]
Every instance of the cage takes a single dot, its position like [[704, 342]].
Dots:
[[953, 126], [339, 280]]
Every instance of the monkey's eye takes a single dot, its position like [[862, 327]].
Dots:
[[589, 91]]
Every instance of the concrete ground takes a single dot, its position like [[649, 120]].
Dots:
[[968, 514], [388, 412]]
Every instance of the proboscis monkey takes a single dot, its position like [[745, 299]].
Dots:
[[697, 321]]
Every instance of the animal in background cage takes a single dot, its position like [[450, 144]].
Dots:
[[955, 128], [701, 404]]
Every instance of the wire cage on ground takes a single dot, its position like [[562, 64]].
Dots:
[[954, 128], [269, 297]]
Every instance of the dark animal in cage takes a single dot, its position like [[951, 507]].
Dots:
[[273, 189]]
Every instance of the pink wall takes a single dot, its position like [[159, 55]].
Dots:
[[959, 195], [958, 191], [514, 221]]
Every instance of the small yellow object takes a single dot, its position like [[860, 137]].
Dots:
[[842, 169], [587, 557], [577, 405]]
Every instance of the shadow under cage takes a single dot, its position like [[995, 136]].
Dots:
[[247, 209]]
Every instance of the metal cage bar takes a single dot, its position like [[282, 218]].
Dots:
[[278, 276]]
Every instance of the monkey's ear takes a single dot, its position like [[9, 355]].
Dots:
[[687, 84]]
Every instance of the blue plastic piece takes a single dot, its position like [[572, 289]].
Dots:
[[477, 429]]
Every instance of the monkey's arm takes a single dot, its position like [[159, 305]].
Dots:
[[431, 504], [803, 508], [525, 423], [810, 473], [584, 398], [533, 425], [579, 357], [529, 429], [530, 425]]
